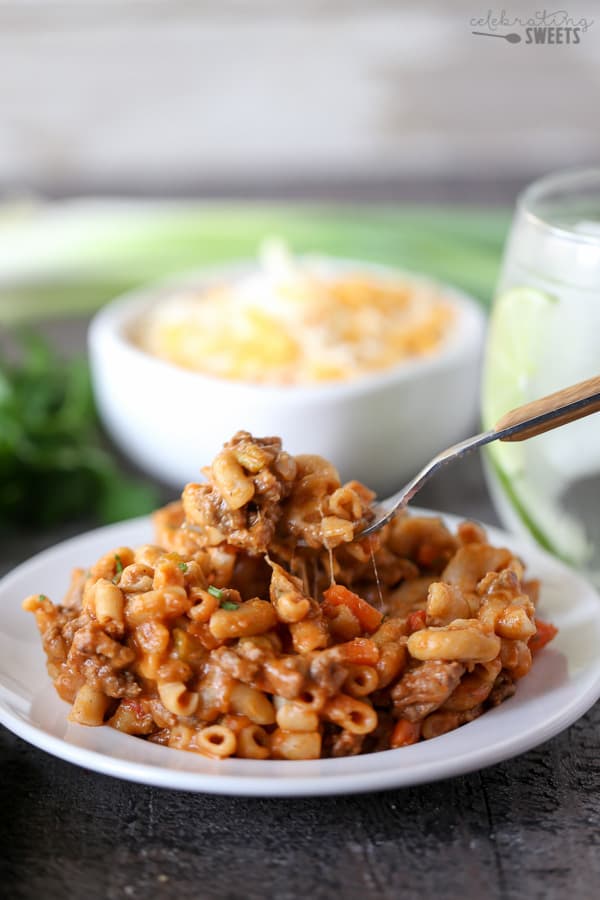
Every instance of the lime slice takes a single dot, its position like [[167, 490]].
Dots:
[[516, 341], [527, 501], [532, 512]]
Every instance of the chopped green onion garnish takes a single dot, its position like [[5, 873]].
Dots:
[[182, 566], [118, 567], [42, 597], [227, 604], [215, 592]]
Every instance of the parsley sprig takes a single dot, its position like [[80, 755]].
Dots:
[[53, 462]]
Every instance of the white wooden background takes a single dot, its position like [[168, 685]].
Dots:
[[116, 93]]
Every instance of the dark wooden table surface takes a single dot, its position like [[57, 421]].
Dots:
[[528, 828]]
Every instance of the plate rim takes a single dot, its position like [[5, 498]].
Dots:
[[317, 784]]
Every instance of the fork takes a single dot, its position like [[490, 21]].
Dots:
[[519, 424]]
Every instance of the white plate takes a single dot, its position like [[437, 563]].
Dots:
[[564, 683]]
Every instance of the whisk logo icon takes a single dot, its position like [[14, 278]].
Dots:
[[541, 27]]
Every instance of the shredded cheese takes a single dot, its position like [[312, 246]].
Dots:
[[298, 323]]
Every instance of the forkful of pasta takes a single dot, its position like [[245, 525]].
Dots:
[[519, 424]]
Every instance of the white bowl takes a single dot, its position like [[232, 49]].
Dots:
[[379, 428]]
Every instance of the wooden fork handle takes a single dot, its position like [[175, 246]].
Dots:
[[549, 412]]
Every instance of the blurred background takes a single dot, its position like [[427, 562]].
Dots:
[[275, 98], [245, 118]]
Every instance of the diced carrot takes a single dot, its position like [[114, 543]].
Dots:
[[544, 634], [329, 610], [415, 621], [369, 617], [362, 651], [405, 733]]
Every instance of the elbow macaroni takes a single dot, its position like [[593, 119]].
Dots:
[[230, 649]]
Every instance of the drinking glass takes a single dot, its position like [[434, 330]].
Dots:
[[544, 335]]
